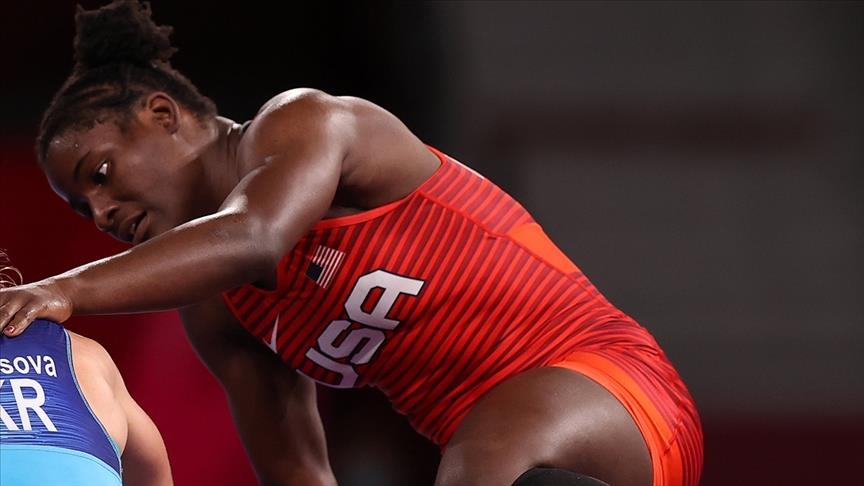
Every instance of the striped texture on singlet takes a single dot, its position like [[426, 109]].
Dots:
[[433, 299]]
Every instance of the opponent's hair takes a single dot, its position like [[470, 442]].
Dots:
[[9, 275], [121, 55]]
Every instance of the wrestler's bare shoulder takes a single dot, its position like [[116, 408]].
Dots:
[[380, 159]]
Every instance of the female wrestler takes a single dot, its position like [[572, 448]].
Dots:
[[324, 230]]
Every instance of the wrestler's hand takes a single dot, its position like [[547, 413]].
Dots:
[[21, 304]]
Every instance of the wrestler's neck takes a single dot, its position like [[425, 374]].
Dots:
[[217, 158]]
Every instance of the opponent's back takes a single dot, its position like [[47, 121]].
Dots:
[[48, 433]]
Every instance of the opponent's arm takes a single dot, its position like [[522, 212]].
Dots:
[[145, 459], [274, 408], [299, 143]]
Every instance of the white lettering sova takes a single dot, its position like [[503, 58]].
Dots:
[[27, 392]]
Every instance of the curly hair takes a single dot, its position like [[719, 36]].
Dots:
[[9, 275], [121, 55]]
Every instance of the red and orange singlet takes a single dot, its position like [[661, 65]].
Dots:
[[436, 298]]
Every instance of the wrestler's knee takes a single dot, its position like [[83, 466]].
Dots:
[[490, 464], [495, 474], [549, 476]]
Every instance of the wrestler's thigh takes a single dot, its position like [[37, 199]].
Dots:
[[550, 417]]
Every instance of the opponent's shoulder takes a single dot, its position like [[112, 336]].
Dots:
[[87, 347], [88, 353]]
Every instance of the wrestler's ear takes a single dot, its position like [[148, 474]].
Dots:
[[161, 110]]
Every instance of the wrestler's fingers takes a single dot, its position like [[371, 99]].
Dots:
[[20, 320], [8, 310]]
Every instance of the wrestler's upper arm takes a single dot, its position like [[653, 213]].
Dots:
[[144, 457]]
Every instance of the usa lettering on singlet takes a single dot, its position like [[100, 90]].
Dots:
[[48, 434], [434, 299]]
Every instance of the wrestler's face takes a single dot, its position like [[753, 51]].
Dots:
[[133, 183]]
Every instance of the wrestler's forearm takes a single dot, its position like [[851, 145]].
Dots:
[[177, 268]]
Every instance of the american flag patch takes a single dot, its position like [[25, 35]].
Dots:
[[324, 264]]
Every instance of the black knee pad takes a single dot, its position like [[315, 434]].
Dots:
[[547, 476]]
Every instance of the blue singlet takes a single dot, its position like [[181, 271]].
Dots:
[[48, 433]]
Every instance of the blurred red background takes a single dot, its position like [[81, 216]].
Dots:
[[702, 162]]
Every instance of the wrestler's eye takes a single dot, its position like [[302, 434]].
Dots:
[[100, 175]]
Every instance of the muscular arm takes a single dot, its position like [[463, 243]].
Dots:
[[302, 148], [143, 453], [297, 148], [274, 408], [145, 460]]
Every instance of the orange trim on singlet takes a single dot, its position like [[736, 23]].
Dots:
[[660, 437], [532, 238], [381, 210]]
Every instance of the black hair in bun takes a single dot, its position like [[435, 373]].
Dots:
[[120, 32]]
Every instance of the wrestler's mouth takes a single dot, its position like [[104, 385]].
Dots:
[[138, 229]]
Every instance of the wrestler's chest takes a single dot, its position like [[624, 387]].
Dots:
[[332, 316]]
